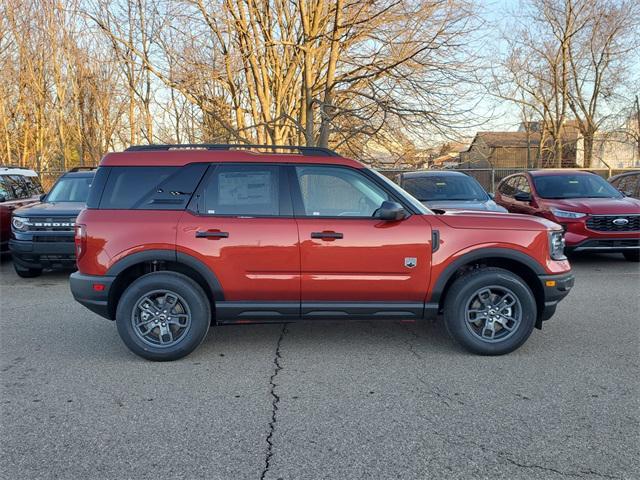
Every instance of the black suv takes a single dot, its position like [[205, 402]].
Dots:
[[42, 234]]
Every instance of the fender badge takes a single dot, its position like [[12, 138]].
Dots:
[[410, 262]]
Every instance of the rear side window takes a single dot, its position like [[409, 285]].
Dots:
[[243, 190], [147, 188]]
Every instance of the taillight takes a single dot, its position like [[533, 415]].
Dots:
[[80, 240]]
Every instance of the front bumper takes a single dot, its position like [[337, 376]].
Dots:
[[611, 245], [49, 254], [83, 289], [554, 288]]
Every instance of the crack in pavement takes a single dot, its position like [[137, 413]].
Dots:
[[274, 404], [580, 474]]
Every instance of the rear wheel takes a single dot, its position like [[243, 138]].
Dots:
[[27, 272], [633, 256], [490, 311], [163, 316]]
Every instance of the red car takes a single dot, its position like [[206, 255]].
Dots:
[[595, 216], [177, 238], [18, 187]]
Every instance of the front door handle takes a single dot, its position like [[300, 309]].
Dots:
[[327, 235], [213, 234]]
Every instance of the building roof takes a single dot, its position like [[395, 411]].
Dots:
[[515, 139]]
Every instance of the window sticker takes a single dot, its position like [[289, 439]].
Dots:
[[245, 188]]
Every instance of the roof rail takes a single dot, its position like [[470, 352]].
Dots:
[[307, 151], [14, 166], [81, 169]]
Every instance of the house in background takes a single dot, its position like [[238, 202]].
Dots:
[[519, 149]]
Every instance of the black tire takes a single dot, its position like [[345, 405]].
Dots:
[[191, 294], [463, 291], [633, 256], [27, 272]]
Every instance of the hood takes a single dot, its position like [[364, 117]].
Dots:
[[596, 206], [468, 219], [487, 205], [50, 209]]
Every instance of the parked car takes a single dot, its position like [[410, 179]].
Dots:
[[43, 233], [174, 239], [448, 190], [18, 187], [628, 183], [596, 217]]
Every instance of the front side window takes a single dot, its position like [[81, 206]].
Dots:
[[19, 186], [444, 187], [338, 192], [70, 189], [35, 188], [243, 190], [574, 186]]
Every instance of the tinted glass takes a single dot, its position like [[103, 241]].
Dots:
[[128, 186], [338, 192], [574, 186], [444, 187], [70, 189], [146, 188], [244, 190]]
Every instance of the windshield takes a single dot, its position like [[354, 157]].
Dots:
[[444, 187], [574, 186], [70, 189]]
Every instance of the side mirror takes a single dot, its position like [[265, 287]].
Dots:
[[42, 197], [522, 197], [390, 211], [492, 196], [3, 198]]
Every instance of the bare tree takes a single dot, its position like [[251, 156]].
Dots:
[[311, 71], [564, 59]]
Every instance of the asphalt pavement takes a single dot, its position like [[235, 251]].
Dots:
[[330, 400]]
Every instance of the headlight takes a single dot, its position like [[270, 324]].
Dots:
[[556, 245], [20, 224], [566, 214]]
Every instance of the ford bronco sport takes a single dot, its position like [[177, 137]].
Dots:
[[43, 232], [176, 238]]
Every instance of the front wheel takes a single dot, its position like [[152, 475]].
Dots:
[[163, 316], [632, 256], [490, 311]]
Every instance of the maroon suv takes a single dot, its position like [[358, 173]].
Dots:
[[595, 216]]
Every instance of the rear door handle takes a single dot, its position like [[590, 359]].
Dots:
[[326, 235], [213, 234]]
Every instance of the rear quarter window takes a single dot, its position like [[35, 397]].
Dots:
[[145, 188]]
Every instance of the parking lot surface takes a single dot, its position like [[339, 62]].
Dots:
[[322, 400]]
